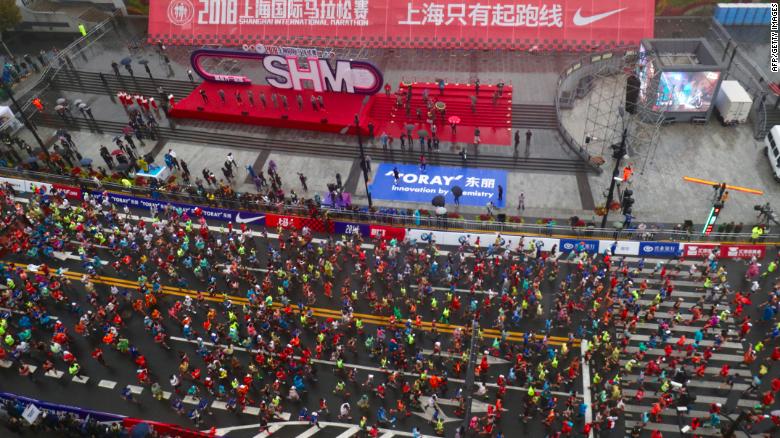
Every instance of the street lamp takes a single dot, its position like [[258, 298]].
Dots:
[[619, 152], [26, 122], [363, 163]]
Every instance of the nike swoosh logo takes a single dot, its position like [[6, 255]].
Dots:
[[579, 20], [241, 220]]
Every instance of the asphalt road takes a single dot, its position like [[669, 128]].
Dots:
[[96, 394]]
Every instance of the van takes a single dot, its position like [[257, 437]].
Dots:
[[772, 142]]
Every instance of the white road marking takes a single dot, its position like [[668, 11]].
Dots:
[[6, 363], [80, 379], [586, 385], [108, 384], [55, 374], [252, 410], [349, 432], [135, 389], [309, 432], [222, 406]]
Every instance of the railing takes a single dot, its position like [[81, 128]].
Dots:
[[393, 217], [66, 58]]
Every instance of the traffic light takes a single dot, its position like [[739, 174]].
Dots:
[[628, 201]]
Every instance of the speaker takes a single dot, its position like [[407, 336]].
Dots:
[[632, 93], [200, 108], [501, 217], [244, 113]]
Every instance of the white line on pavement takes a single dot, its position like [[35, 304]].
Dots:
[[108, 384]]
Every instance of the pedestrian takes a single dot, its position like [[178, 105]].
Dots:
[[264, 103], [250, 97], [239, 100], [303, 180], [313, 103], [284, 102], [203, 96], [299, 99], [371, 131], [148, 71], [115, 67], [231, 161], [500, 193], [517, 140], [396, 175], [221, 94], [368, 164], [383, 139], [189, 75], [129, 70], [521, 202], [423, 164], [321, 101], [528, 135]]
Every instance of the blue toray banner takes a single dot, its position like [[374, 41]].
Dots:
[[659, 249], [479, 186], [221, 214], [568, 245]]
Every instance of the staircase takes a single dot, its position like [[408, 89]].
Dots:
[[534, 117], [90, 82], [772, 119], [486, 114]]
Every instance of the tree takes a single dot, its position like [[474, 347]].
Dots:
[[10, 15]]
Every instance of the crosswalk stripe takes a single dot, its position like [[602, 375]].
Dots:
[[222, 406], [676, 353], [309, 432], [704, 342], [80, 379], [55, 374], [108, 384], [252, 410], [349, 432], [705, 399], [6, 363], [135, 389]]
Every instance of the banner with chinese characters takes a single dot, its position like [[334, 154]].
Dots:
[[471, 24]]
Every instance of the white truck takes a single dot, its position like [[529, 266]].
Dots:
[[733, 103]]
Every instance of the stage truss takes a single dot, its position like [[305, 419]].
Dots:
[[606, 116]]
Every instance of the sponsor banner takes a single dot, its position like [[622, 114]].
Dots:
[[659, 249], [386, 232], [450, 238], [569, 245], [742, 251], [478, 186], [20, 185], [298, 223], [620, 247], [698, 249], [221, 214], [350, 228], [551, 24], [70, 191]]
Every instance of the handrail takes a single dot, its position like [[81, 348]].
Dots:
[[391, 217], [59, 61]]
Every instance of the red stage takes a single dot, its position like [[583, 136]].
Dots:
[[493, 119], [339, 108]]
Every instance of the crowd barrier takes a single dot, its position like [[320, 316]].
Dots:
[[34, 408], [654, 249]]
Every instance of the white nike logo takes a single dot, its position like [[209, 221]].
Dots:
[[579, 20], [241, 220]]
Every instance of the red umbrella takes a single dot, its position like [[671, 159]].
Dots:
[[454, 120], [118, 152]]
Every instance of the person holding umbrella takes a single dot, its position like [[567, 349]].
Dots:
[[457, 191]]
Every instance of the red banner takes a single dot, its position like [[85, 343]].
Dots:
[[698, 249], [471, 24], [386, 232], [70, 191], [742, 251], [298, 223]]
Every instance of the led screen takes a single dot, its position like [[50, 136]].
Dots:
[[686, 91]]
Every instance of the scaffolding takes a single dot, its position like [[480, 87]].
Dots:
[[606, 116]]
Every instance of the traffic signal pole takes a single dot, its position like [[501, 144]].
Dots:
[[620, 151]]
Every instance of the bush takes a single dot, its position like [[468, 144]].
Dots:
[[515, 219]]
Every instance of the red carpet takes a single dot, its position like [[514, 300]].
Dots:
[[493, 120], [339, 108]]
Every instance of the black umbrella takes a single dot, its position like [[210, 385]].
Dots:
[[121, 167], [438, 201], [126, 61], [456, 190], [143, 61]]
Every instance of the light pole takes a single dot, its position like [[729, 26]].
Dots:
[[619, 152], [469, 383], [363, 164], [26, 122]]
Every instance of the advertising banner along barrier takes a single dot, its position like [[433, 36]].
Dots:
[[471, 24], [477, 186]]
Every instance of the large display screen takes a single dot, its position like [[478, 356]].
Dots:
[[489, 24], [686, 91]]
